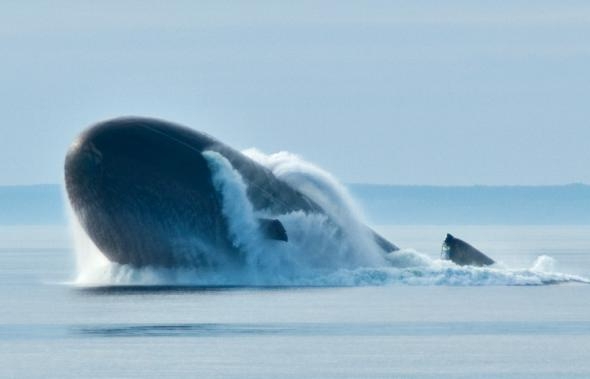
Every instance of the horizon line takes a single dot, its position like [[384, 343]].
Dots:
[[570, 184]]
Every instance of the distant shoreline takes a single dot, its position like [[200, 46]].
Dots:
[[569, 204]]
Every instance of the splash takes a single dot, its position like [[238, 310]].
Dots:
[[325, 190], [318, 253], [315, 247]]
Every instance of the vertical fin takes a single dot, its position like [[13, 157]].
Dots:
[[462, 253], [272, 229]]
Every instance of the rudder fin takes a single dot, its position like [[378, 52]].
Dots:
[[273, 229], [463, 254]]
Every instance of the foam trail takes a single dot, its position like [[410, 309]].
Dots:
[[318, 252]]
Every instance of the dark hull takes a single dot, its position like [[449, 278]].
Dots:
[[463, 254], [142, 190]]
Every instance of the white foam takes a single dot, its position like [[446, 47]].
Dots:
[[324, 189], [90, 262], [544, 263]]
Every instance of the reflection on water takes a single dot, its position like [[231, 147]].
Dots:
[[175, 289], [188, 330], [228, 330], [334, 329]]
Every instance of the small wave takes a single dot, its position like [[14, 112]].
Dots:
[[423, 272]]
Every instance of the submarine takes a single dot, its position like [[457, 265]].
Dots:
[[143, 190]]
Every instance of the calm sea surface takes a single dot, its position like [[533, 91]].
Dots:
[[49, 328]]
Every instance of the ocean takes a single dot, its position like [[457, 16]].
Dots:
[[529, 317]]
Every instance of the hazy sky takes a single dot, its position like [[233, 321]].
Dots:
[[412, 92]]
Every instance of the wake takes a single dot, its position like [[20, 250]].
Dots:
[[319, 253]]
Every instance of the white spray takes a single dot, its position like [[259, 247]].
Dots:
[[332, 196]]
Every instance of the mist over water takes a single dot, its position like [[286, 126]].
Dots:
[[319, 252]]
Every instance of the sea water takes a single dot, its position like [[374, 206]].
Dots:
[[425, 322]]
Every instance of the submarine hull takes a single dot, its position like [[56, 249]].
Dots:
[[143, 191]]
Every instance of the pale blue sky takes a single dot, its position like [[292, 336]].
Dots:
[[413, 92]]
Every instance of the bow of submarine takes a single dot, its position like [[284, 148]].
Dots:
[[143, 192], [145, 196]]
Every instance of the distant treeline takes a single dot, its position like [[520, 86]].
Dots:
[[567, 204], [383, 204]]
